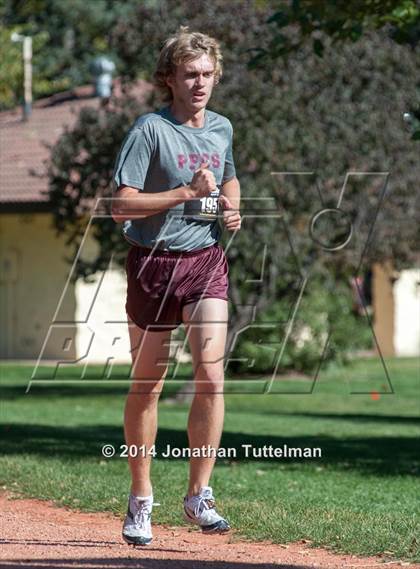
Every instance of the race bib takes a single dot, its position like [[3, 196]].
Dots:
[[203, 208]]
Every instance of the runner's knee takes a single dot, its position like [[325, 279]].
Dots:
[[209, 378], [147, 388]]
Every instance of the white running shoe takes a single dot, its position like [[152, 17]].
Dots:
[[200, 510], [137, 528]]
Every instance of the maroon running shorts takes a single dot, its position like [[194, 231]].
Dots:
[[160, 283]]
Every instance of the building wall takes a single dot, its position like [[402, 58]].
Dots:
[[396, 308], [42, 313], [103, 336], [407, 313], [32, 276], [383, 307]]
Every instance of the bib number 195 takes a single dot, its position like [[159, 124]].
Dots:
[[209, 205], [205, 208]]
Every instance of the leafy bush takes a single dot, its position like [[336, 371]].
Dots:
[[322, 315]]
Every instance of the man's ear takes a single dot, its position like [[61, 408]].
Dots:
[[169, 80]]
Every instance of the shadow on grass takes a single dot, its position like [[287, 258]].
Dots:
[[69, 389], [403, 420], [375, 455]]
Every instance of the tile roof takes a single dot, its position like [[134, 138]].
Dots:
[[22, 143]]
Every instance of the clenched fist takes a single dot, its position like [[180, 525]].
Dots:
[[203, 182], [231, 217]]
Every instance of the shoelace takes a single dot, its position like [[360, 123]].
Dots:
[[208, 502], [143, 514]]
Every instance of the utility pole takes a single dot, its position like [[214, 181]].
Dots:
[[27, 72]]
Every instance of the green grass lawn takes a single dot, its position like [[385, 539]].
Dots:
[[360, 497]]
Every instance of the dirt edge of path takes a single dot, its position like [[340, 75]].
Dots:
[[37, 534]]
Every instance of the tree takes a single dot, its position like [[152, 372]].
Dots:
[[331, 115], [298, 20], [66, 37], [301, 20]]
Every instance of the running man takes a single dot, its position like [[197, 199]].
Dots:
[[173, 172]]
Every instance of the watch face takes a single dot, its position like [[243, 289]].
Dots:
[[203, 209]]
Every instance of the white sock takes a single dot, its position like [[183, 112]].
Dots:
[[143, 498]]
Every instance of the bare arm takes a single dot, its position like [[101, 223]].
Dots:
[[232, 190], [230, 201], [130, 203]]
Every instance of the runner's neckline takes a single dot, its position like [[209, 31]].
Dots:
[[166, 113]]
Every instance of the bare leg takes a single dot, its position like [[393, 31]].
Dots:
[[140, 416], [206, 326]]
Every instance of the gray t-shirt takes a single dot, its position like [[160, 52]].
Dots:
[[158, 154]]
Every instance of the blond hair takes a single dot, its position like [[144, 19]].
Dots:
[[180, 48]]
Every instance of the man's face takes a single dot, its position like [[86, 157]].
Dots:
[[193, 83]]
